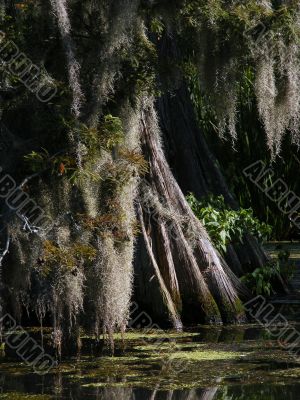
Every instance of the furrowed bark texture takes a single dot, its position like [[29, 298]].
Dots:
[[208, 290], [197, 170]]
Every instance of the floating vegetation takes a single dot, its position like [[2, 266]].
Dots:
[[202, 364]]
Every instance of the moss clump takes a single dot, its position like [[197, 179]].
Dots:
[[233, 312], [212, 313], [135, 159], [65, 257], [106, 136]]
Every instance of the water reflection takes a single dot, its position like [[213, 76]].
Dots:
[[239, 392], [253, 392], [125, 377], [11, 390], [193, 394], [58, 387]]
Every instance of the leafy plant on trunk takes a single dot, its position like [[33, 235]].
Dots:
[[226, 226]]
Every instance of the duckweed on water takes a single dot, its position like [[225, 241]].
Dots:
[[23, 396], [136, 335], [142, 365], [168, 346], [206, 355]]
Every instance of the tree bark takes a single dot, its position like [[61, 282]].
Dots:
[[208, 290], [197, 170]]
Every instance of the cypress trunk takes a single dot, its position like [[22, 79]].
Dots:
[[178, 245], [197, 170]]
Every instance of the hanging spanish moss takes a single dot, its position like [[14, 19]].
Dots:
[[114, 220], [60, 10], [273, 54], [120, 22], [277, 90]]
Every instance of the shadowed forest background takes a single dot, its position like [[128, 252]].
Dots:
[[137, 160]]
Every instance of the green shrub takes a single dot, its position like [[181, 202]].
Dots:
[[225, 225], [261, 280]]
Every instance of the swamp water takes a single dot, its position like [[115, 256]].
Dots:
[[208, 364]]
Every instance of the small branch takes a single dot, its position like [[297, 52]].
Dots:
[[5, 251], [32, 229], [28, 178]]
